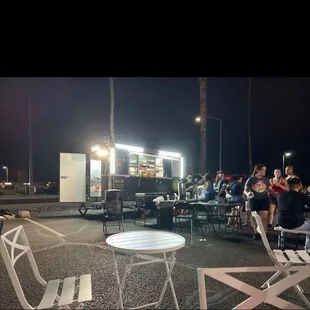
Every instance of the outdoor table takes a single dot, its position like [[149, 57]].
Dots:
[[215, 211], [146, 242]]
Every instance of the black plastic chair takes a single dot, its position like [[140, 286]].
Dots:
[[113, 209]]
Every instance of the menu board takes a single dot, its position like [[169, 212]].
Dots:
[[95, 178], [118, 183]]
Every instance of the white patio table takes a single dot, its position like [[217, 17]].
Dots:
[[146, 242]]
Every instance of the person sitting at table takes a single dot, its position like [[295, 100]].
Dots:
[[189, 185], [292, 207]]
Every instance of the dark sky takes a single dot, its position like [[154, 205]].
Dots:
[[70, 114]]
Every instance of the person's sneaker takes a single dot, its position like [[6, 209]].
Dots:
[[269, 226], [256, 237]]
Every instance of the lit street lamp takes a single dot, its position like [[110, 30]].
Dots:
[[101, 152], [198, 119], [286, 154], [7, 173]]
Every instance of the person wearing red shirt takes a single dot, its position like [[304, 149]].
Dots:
[[279, 185]]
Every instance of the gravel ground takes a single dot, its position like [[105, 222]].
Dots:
[[83, 250]]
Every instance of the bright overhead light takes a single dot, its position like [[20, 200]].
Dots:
[[129, 148], [172, 154], [182, 168], [157, 156], [197, 119], [287, 154], [102, 152], [4, 167], [95, 148]]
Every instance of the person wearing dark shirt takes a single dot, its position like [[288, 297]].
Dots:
[[256, 189], [235, 189], [292, 207], [220, 187]]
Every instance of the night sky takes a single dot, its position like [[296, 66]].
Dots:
[[71, 114]]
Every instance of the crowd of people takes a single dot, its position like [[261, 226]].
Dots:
[[278, 200]]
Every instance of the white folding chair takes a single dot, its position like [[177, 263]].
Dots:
[[269, 295], [284, 258], [51, 297]]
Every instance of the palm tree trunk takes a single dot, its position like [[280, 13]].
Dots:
[[112, 110], [203, 123], [249, 125], [112, 138]]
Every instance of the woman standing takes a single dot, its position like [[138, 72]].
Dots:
[[256, 189], [206, 190], [279, 185]]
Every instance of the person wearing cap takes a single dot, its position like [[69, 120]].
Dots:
[[220, 186], [292, 207]]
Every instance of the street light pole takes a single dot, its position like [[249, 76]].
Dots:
[[30, 148], [7, 173], [283, 160]]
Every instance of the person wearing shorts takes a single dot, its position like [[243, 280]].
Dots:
[[279, 185], [256, 190]]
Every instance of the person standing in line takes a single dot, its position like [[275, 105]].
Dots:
[[289, 171], [220, 187], [256, 189], [279, 185], [235, 189]]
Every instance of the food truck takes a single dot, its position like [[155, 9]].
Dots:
[[131, 169]]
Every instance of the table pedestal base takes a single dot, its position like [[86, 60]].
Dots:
[[169, 264]]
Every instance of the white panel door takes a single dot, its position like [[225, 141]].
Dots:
[[72, 177]]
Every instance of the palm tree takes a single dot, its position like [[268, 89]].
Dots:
[[249, 124], [112, 138], [111, 82], [203, 123]]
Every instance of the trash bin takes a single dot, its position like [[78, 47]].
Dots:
[[165, 215]]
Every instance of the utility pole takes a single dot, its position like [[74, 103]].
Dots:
[[112, 136], [112, 109], [203, 124], [30, 148]]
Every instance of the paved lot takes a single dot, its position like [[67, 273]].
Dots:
[[76, 245], [18, 198]]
